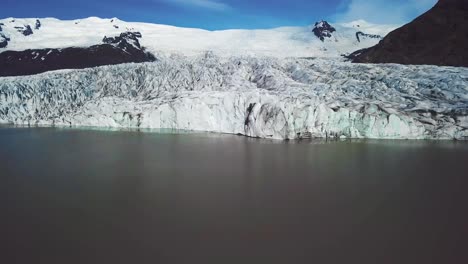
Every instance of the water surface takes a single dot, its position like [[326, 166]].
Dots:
[[84, 196]]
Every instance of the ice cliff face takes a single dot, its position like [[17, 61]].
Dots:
[[257, 97]]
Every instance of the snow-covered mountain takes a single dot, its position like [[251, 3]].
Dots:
[[263, 97], [32, 33]]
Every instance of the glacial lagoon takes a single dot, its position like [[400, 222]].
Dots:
[[91, 196]]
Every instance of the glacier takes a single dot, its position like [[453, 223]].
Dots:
[[265, 97]]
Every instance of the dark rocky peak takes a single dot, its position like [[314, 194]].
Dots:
[[25, 30], [323, 30], [127, 41], [38, 24], [1, 24], [360, 35]]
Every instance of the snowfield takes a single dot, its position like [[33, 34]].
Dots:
[[277, 42], [254, 96]]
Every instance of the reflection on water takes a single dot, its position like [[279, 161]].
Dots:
[[85, 196]]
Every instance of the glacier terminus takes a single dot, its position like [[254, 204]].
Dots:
[[261, 96]]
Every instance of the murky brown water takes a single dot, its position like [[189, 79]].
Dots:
[[78, 196]]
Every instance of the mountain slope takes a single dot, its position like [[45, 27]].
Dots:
[[114, 50], [279, 42], [438, 37]]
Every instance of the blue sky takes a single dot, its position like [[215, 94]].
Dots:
[[223, 14]]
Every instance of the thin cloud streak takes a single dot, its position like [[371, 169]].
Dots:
[[383, 11], [206, 4]]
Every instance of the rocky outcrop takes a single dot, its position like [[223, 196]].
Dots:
[[3, 38], [26, 30], [438, 37], [361, 35], [121, 49], [38, 24], [3, 41], [127, 41], [323, 30]]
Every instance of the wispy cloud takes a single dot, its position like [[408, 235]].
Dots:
[[215, 5], [383, 11]]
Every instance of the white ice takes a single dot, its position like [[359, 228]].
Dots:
[[253, 96]]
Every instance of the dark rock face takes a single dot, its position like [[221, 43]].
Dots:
[[1, 24], [127, 41], [360, 35], [438, 37], [122, 49], [38, 24], [3, 41], [323, 30], [25, 30]]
